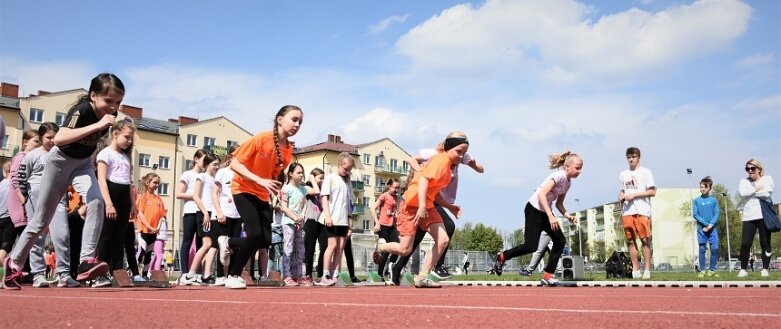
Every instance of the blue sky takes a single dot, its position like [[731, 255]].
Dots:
[[693, 84]]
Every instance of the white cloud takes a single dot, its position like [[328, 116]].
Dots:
[[760, 59], [386, 23], [563, 38], [47, 76]]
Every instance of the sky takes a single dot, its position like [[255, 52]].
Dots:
[[693, 84]]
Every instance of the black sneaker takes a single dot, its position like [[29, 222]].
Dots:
[[209, 281], [355, 280], [90, 269], [394, 278], [525, 272], [499, 264], [441, 273]]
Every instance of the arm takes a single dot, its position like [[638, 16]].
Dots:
[[216, 192], [697, 216], [314, 189], [69, 135], [563, 211], [454, 209], [415, 162], [197, 190], [422, 189], [542, 195], [14, 174], [765, 187], [476, 166], [181, 193], [326, 211], [240, 169], [745, 189], [716, 213], [111, 213], [650, 192], [377, 205], [285, 207], [140, 216]]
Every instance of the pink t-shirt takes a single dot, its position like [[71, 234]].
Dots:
[[15, 207], [387, 209]]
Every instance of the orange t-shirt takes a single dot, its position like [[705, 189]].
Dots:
[[258, 155], [74, 200], [438, 173], [153, 208]]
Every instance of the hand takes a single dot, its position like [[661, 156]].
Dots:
[[571, 218], [455, 210], [133, 212], [221, 218], [629, 197], [111, 213], [420, 214], [705, 229], [554, 223], [329, 222], [207, 225], [472, 162], [349, 232], [376, 228], [271, 185], [107, 120]]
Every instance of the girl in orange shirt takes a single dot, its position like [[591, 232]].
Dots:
[[258, 164], [418, 209], [151, 210]]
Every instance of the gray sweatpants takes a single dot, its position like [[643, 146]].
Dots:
[[59, 232], [545, 243], [61, 171]]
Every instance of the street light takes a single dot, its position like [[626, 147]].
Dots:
[[726, 218], [580, 239]]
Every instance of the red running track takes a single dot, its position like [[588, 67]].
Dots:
[[392, 307]]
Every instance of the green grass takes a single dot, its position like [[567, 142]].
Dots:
[[775, 275]]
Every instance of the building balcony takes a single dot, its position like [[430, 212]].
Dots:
[[387, 169], [358, 186], [359, 209], [9, 151]]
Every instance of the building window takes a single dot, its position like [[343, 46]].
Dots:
[[208, 142], [367, 180], [405, 166], [367, 158], [143, 160], [378, 181], [366, 225], [394, 164], [231, 144], [36, 115], [188, 164], [365, 201], [191, 139], [162, 163], [162, 189], [379, 161], [5, 142], [59, 118]]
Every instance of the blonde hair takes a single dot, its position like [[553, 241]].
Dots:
[[452, 134], [346, 155], [756, 163], [561, 159]]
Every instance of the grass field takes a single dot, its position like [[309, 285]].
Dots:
[[775, 275]]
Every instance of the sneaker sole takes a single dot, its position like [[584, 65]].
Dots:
[[93, 273]]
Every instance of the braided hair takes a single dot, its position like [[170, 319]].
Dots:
[[275, 132]]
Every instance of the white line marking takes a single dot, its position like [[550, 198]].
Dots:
[[135, 299], [500, 308]]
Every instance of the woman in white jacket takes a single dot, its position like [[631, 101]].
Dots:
[[751, 189]]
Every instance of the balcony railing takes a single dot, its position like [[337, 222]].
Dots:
[[379, 189], [9, 151], [357, 186], [387, 169], [359, 209]]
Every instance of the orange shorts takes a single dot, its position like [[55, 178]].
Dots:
[[405, 222], [636, 226]]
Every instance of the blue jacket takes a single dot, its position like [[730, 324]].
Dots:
[[706, 211]]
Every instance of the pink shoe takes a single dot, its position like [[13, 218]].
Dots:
[[11, 275], [305, 281], [289, 282]]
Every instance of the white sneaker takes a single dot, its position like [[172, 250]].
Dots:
[[646, 275], [101, 281], [764, 273], [742, 274], [225, 251], [188, 280], [66, 281], [39, 281], [234, 282], [636, 275], [220, 282]]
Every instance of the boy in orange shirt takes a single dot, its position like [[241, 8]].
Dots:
[[418, 210]]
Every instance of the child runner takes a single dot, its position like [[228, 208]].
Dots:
[[312, 228], [18, 194], [293, 210], [705, 211], [151, 212], [114, 178], [202, 195], [539, 215], [258, 163], [418, 210], [190, 226], [335, 197], [225, 213], [71, 162], [385, 224]]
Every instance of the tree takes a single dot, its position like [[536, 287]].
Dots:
[[483, 238], [598, 252], [458, 241]]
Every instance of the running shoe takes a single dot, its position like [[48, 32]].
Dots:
[[355, 280], [225, 251], [499, 264], [326, 282], [11, 275], [764, 273], [235, 282], [101, 281], [209, 281], [441, 273], [637, 274], [90, 269], [66, 281], [713, 274], [188, 279], [394, 278], [549, 280], [742, 274], [646, 275], [39, 281], [219, 282], [305, 282], [139, 278], [377, 254], [289, 282], [525, 272], [426, 283], [702, 275]]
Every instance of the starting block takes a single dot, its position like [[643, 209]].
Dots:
[[274, 280], [121, 279], [407, 279], [159, 280], [343, 280], [373, 277]]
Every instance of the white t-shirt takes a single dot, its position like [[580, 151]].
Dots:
[[634, 181], [188, 178], [751, 209], [560, 186], [448, 193], [206, 191], [339, 193], [224, 177], [118, 166]]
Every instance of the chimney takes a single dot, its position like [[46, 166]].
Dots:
[[176, 121], [338, 139], [9, 90], [43, 93], [186, 120], [132, 111], [332, 138]]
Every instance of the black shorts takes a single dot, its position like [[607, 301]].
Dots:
[[7, 233], [217, 230], [337, 231]]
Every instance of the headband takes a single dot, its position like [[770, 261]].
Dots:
[[452, 142]]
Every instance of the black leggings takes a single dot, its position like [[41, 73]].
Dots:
[[256, 215], [749, 229], [190, 230], [130, 249], [111, 244], [314, 233], [390, 234], [536, 222], [146, 255], [7, 233], [76, 226], [450, 228]]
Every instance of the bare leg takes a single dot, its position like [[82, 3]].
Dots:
[[441, 240]]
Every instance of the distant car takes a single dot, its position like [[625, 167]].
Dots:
[[664, 267]]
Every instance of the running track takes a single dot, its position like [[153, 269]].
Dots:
[[393, 307]]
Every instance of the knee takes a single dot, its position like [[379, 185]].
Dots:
[[714, 248], [703, 248]]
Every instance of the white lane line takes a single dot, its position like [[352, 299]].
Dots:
[[501, 308], [134, 299]]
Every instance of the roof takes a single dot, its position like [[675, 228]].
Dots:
[[47, 94], [155, 125], [380, 140], [9, 102], [217, 118], [328, 146]]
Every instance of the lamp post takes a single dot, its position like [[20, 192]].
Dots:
[[580, 239], [691, 199], [726, 218]]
